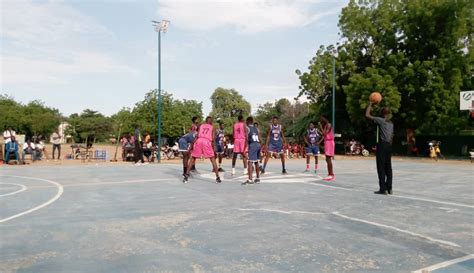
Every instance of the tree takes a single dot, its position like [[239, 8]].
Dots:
[[90, 126], [418, 54], [224, 101], [176, 115]]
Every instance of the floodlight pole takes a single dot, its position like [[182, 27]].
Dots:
[[334, 92], [159, 27]]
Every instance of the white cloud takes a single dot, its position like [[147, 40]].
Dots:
[[50, 42], [248, 16]]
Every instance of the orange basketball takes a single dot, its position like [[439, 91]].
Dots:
[[375, 97]]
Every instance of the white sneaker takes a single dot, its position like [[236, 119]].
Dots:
[[146, 163], [138, 164], [233, 171], [246, 172]]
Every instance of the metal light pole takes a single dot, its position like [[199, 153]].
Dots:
[[159, 27], [334, 91]]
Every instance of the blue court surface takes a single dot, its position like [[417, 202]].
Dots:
[[125, 218]]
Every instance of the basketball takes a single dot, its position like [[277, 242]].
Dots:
[[375, 97]]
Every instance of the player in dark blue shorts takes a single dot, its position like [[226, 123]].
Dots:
[[185, 146], [220, 144], [275, 143], [312, 139], [254, 149]]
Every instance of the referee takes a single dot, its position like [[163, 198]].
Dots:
[[384, 149]]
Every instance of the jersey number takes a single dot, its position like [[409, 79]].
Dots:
[[255, 138], [205, 131]]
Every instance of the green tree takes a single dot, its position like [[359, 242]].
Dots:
[[224, 101], [90, 126]]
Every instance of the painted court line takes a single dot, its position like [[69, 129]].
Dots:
[[444, 264], [397, 229], [22, 189], [47, 203], [284, 212], [451, 244]]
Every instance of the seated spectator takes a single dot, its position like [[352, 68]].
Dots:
[[29, 148], [8, 134], [40, 149], [148, 148], [11, 147]]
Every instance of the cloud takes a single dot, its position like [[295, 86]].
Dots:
[[50, 42], [247, 16]]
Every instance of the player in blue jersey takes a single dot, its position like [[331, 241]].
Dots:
[[254, 149], [275, 144], [313, 140], [220, 144], [185, 146]]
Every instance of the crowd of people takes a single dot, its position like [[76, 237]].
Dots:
[[34, 147]]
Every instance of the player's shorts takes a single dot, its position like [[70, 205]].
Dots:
[[183, 145], [219, 149], [202, 148], [239, 146], [329, 148], [312, 150], [275, 147], [254, 152]]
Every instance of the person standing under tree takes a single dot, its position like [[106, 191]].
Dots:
[[139, 148], [240, 143], [384, 149], [253, 139], [56, 137], [329, 146], [275, 144], [203, 147], [312, 139], [220, 144]]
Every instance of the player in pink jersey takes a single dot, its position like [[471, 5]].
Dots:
[[196, 121], [328, 133], [240, 143], [203, 147]]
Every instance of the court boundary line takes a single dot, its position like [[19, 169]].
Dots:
[[22, 189], [444, 264], [45, 204]]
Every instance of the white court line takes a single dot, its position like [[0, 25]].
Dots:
[[360, 221], [47, 203], [433, 201], [444, 264], [284, 212], [397, 229], [22, 189]]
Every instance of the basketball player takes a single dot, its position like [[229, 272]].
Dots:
[[194, 127], [329, 145], [240, 143], [312, 139], [185, 144], [203, 147], [220, 144], [275, 143], [254, 151]]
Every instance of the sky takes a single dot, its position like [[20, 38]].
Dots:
[[102, 54]]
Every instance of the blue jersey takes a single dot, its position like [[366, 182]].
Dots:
[[220, 136], [275, 134], [313, 136], [188, 138], [253, 134]]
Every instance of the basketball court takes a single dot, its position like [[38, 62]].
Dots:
[[123, 218]]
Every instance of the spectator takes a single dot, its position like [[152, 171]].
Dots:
[[138, 147], [30, 149], [41, 149], [56, 137], [11, 147], [438, 150], [8, 134]]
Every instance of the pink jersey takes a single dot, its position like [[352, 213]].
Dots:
[[329, 136], [205, 131], [239, 130]]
